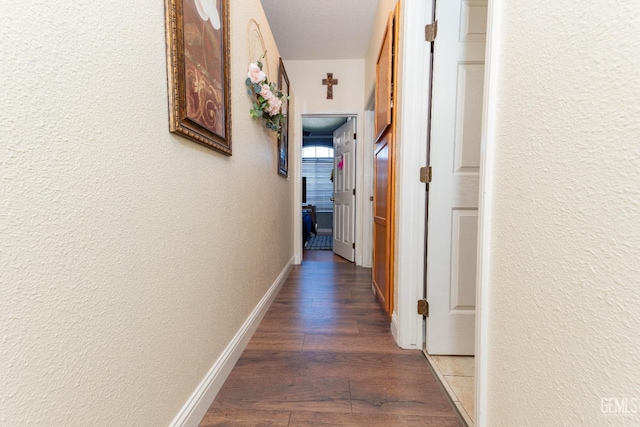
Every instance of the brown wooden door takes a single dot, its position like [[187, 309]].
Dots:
[[383, 201], [381, 222]]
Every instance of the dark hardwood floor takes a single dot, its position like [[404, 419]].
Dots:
[[323, 356]]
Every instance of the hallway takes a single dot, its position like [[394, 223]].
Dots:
[[323, 356]]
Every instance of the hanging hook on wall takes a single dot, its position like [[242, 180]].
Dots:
[[256, 46]]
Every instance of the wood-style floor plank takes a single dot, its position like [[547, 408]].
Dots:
[[325, 394], [360, 366], [403, 397], [361, 343], [319, 419], [317, 325], [219, 417], [275, 341], [374, 325], [324, 356], [344, 303]]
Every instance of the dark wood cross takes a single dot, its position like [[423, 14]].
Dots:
[[329, 82]]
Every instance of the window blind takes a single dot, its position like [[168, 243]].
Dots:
[[319, 185]]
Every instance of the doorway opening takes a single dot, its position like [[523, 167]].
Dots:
[[318, 169], [352, 222], [317, 189]]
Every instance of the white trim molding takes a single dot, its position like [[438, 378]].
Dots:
[[411, 155], [198, 403], [489, 115], [394, 326], [365, 221]]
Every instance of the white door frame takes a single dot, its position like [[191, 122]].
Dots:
[[487, 154], [411, 155], [409, 279], [363, 192], [346, 148]]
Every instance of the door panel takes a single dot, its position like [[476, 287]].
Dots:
[[473, 20], [468, 121], [456, 117], [384, 78], [464, 254], [381, 231], [344, 180]]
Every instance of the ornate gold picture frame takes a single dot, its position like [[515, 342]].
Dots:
[[283, 138], [197, 34]]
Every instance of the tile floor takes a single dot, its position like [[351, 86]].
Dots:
[[457, 374]]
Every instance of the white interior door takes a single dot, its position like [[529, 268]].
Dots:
[[344, 193], [456, 117]]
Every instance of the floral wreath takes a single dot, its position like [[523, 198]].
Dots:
[[267, 98]]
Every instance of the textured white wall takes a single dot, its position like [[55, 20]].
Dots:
[[563, 325], [311, 98], [129, 257]]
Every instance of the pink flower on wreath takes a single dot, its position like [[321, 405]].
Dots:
[[266, 92], [255, 74], [274, 105]]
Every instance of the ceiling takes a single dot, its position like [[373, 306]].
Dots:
[[321, 29], [322, 126], [319, 130]]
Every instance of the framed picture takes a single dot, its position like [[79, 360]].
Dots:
[[198, 71], [283, 139]]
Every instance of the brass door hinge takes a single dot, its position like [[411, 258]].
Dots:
[[423, 307], [431, 31], [425, 174]]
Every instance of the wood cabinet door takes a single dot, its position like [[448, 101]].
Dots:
[[382, 222], [384, 81], [383, 199]]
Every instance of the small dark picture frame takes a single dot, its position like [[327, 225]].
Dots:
[[197, 40], [283, 138]]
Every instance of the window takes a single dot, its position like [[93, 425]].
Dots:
[[317, 151], [317, 164]]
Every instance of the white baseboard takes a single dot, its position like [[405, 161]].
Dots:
[[196, 406], [394, 328]]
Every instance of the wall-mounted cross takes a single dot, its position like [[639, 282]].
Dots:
[[329, 82]]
